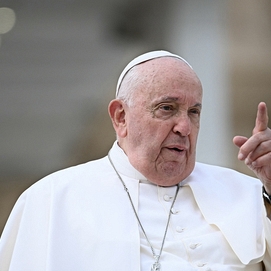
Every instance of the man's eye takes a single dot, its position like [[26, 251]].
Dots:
[[166, 107], [194, 111], [164, 111]]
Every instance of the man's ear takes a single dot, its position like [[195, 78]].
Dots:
[[117, 114]]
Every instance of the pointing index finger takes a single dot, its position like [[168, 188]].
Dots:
[[261, 123]]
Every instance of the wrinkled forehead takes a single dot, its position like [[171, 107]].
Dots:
[[167, 77], [143, 58]]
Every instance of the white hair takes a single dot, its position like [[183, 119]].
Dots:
[[128, 86]]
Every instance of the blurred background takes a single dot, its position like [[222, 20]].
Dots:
[[60, 61]]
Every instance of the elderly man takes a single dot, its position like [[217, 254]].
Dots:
[[148, 205]]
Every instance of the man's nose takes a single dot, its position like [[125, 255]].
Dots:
[[182, 125]]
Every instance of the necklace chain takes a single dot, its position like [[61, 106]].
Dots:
[[156, 265]]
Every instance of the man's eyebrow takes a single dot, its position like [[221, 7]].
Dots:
[[198, 105], [170, 98]]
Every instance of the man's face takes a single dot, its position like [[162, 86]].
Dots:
[[163, 122]]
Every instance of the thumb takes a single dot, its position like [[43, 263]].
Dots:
[[239, 140]]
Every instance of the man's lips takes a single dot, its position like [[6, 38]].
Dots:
[[176, 148]]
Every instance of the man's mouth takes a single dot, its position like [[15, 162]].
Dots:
[[176, 149]]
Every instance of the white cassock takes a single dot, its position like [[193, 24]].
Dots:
[[81, 219]]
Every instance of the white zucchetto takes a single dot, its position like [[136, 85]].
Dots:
[[143, 58]]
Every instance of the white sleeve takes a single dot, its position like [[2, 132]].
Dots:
[[24, 241], [267, 231]]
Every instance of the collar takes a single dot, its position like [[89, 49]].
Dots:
[[123, 165]]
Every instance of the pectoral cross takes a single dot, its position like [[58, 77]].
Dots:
[[156, 266]]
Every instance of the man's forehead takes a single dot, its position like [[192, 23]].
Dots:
[[144, 58], [162, 65]]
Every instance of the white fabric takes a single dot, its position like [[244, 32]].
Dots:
[[80, 219], [143, 58], [188, 235]]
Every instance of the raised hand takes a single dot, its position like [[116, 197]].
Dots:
[[256, 150]]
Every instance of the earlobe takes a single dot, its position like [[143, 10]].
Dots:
[[117, 114]]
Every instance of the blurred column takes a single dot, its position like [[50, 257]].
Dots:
[[198, 31]]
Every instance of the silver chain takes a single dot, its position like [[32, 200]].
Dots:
[[156, 265]]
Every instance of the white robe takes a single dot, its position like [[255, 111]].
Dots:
[[80, 219]]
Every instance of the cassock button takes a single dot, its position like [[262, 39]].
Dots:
[[194, 246], [174, 211], [201, 264], [167, 197], [180, 229]]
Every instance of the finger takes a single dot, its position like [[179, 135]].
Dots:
[[262, 161], [239, 140], [262, 150], [256, 145], [261, 119]]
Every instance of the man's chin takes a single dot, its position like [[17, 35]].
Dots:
[[173, 172], [169, 176]]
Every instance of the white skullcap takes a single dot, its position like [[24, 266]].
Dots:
[[143, 58]]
